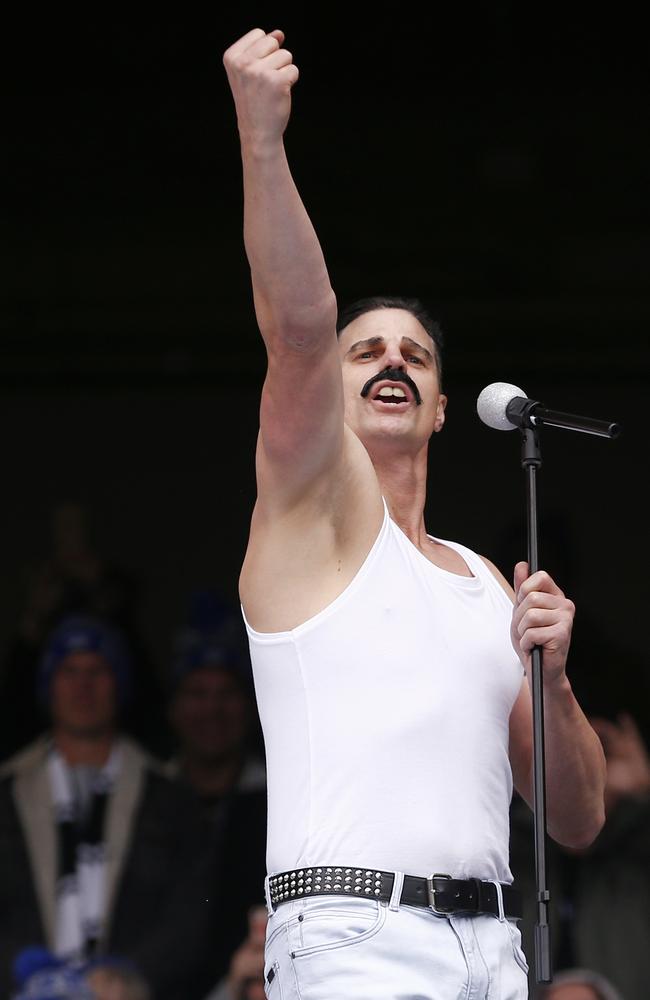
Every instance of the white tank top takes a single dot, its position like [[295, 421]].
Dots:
[[385, 720]]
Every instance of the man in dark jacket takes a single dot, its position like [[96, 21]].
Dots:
[[100, 852]]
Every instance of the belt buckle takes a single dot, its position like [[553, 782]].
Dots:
[[431, 893]]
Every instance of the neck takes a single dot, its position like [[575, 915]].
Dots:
[[84, 749], [212, 777], [403, 481]]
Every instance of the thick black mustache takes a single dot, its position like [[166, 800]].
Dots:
[[392, 375]]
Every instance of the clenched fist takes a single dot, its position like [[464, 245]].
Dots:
[[261, 74]]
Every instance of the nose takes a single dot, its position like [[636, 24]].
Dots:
[[393, 357]]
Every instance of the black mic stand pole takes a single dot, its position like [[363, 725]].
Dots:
[[531, 460]]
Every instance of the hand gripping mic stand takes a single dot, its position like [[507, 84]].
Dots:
[[531, 461]]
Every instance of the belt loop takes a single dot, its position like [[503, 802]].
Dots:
[[501, 915], [396, 894], [267, 895]]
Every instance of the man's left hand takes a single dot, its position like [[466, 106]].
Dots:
[[542, 616]]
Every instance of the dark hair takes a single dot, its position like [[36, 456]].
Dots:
[[357, 308]]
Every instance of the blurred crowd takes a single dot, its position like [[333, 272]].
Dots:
[[133, 810]]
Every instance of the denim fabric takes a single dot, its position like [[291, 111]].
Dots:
[[358, 949]]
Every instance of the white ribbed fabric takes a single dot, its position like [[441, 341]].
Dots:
[[385, 720]]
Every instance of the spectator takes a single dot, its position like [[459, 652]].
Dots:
[[245, 978], [214, 721], [39, 975], [42, 976], [600, 916], [578, 984], [73, 578], [102, 853], [113, 982]]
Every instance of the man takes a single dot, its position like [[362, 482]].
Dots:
[[103, 855], [40, 974], [395, 712], [579, 984], [74, 577], [601, 895], [245, 976], [214, 721]]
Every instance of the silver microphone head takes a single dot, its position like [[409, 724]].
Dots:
[[492, 402]]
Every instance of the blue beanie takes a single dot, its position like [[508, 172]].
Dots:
[[198, 650], [40, 975], [85, 634], [212, 637]]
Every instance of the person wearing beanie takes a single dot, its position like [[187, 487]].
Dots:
[[79, 635], [40, 975], [72, 576], [214, 722], [218, 757], [102, 852]]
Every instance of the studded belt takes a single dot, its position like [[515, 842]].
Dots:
[[438, 892]]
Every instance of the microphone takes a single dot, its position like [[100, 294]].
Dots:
[[504, 406]]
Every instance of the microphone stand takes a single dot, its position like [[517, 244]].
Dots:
[[531, 460], [529, 415]]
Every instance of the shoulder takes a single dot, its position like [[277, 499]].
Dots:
[[159, 791], [168, 809], [172, 768], [135, 756], [319, 542], [253, 776], [27, 759], [479, 563], [163, 787], [499, 577]]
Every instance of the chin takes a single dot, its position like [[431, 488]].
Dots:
[[387, 428]]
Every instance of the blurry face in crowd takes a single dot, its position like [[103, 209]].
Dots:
[[211, 714], [83, 695], [572, 991]]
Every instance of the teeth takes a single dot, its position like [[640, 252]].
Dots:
[[389, 390]]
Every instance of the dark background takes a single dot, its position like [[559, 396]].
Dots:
[[491, 161]]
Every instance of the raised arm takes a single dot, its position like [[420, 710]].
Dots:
[[302, 405]]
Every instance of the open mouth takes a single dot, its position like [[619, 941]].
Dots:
[[391, 394], [393, 387]]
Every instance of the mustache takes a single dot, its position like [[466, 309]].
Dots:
[[392, 375]]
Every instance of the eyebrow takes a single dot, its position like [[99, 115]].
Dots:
[[370, 342], [374, 341], [418, 347]]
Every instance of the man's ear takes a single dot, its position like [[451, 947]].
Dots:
[[440, 415]]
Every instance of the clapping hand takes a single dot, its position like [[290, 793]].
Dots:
[[628, 762]]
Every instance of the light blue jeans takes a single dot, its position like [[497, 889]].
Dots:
[[335, 948]]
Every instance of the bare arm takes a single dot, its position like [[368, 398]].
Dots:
[[302, 407], [574, 759]]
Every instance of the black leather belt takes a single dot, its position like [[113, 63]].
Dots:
[[437, 892]]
